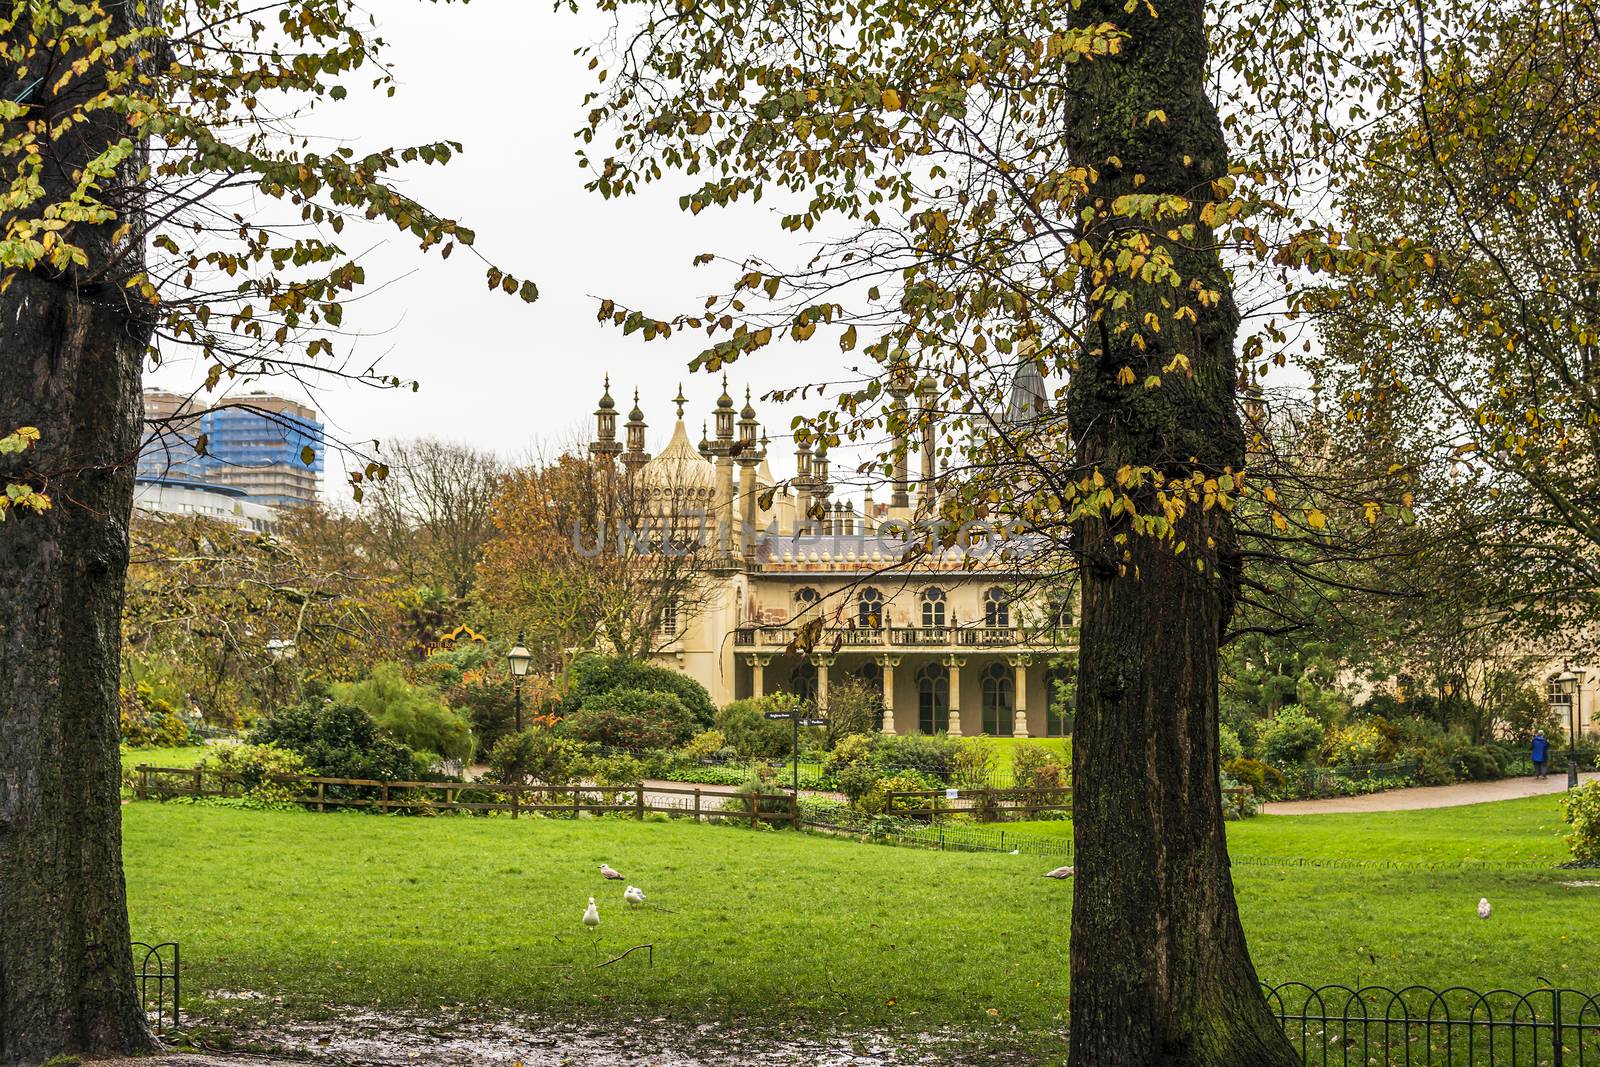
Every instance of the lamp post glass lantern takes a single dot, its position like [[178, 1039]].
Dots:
[[518, 659]]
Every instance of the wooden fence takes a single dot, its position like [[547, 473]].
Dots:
[[926, 803], [322, 793]]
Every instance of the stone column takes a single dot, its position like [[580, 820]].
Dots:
[[888, 663], [745, 537], [823, 663], [724, 507], [758, 675], [954, 664], [1020, 664]]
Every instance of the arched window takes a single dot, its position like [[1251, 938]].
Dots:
[[999, 699], [1060, 694], [996, 608], [933, 699], [1060, 608], [806, 597], [669, 619], [869, 609], [803, 680], [933, 606]]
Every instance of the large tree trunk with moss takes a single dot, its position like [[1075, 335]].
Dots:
[[1160, 971], [71, 350]]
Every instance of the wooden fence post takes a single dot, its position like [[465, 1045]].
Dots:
[[640, 805], [197, 773], [144, 782], [577, 802], [697, 804], [750, 800], [322, 796], [513, 801], [384, 802]]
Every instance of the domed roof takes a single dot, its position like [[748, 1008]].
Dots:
[[678, 467]]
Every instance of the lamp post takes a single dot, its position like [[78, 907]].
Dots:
[[518, 658], [1566, 691]]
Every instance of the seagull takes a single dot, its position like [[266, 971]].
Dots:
[[1483, 908], [608, 874], [633, 895], [1059, 872], [591, 915]]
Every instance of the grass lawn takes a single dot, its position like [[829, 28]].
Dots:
[[1003, 746], [184, 756], [352, 909], [1525, 831]]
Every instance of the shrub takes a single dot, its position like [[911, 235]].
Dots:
[[1356, 743], [537, 754], [338, 741], [930, 754], [617, 776], [851, 750], [771, 797], [853, 708], [876, 800], [1237, 805], [1036, 767], [1582, 809], [593, 674], [149, 721], [1228, 744], [633, 719], [1262, 778], [414, 714], [256, 766], [703, 746], [1479, 763], [1292, 737], [754, 736], [857, 780]]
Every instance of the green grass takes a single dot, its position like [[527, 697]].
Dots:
[[1003, 747], [411, 912], [1525, 831], [184, 756]]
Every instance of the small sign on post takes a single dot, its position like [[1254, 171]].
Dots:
[[952, 794], [777, 714]]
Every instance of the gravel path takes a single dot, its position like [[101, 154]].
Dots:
[[1429, 796]]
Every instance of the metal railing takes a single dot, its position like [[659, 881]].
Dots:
[[1343, 1026], [1036, 637], [157, 969]]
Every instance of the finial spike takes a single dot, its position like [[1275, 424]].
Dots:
[[680, 400]]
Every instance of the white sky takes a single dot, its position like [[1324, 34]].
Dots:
[[500, 77]]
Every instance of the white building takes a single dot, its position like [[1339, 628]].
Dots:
[[224, 503]]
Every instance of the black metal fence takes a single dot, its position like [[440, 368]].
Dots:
[[156, 970], [1342, 1026]]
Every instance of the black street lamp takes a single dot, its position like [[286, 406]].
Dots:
[[518, 658], [1567, 689]]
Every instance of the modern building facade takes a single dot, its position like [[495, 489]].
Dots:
[[268, 448], [802, 590]]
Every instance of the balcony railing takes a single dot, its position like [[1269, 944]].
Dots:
[[913, 637]]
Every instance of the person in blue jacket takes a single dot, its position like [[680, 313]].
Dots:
[[1540, 753]]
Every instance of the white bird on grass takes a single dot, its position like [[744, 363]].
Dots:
[[1059, 872], [633, 895], [591, 915], [1483, 908], [608, 874]]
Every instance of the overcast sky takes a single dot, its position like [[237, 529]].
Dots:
[[500, 77]]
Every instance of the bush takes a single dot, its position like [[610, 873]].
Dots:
[[414, 714], [851, 750], [930, 754], [853, 708], [1292, 737], [857, 780], [1263, 778], [593, 674], [537, 754], [875, 801], [1479, 763], [1582, 809], [975, 763], [632, 719], [1228, 744], [1237, 805], [149, 721], [703, 746], [256, 766], [772, 798], [338, 741], [1357, 743], [1036, 767], [754, 736]]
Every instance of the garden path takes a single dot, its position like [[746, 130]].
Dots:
[[1429, 796]]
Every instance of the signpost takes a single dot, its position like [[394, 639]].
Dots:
[[798, 721]]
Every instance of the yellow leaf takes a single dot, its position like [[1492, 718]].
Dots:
[[891, 100], [1316, 519], [1125, 376]]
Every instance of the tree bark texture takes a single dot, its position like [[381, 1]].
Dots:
[[71, 352], [1160, 973]]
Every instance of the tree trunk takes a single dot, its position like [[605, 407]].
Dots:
[[1160, 971], [71, 353]]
